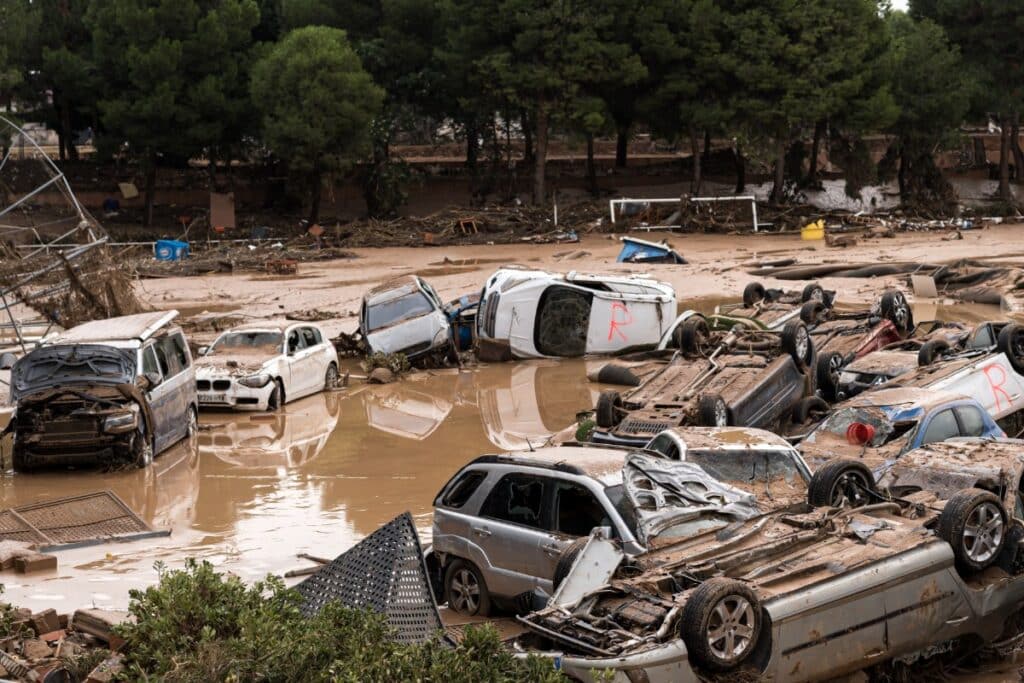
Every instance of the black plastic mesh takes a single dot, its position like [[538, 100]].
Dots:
[[384, 572]]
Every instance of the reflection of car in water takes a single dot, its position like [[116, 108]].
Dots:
[[528, 402], [291, 437], [400, 410]]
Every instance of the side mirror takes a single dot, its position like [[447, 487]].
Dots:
[[154, 379], [7, 361], [203, 350]]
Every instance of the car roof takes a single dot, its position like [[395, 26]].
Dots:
[[140, 326], [264, 326], [603, 464], [392, 289], [963, 454], [729, 438]]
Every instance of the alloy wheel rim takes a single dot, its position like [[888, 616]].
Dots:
[[721, 415], [983, 532], [465, 591], [802, 341], [730, 630], [835, 364]]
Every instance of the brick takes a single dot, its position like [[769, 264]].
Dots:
[[53, 636], [33, 649], [45, 621], [35, 562]]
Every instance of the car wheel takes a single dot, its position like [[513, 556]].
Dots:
[[331, 377], [465, 589], [841, 482], [276, 399], [712, 411], [753, 293], [21, 461], [694, 335], [810, 408], [894, 308], [613, 373], [567, 560], [609, 404], [826, 373], [931, 350], [721, 624], [1011, 342], [143, 449], [974, 524], [812, 312], [796, 341], [813, 292]]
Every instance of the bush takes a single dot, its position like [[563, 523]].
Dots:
[[397, 363], [197, 625]]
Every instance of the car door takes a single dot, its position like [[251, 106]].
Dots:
[[294, 343], [185, 384], [163, 397], [575, 512], [308, 362]]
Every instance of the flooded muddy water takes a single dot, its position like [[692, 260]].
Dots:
[[254, 489]]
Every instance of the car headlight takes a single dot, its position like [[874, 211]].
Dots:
[[441, 337], [122, 421], [255, 381]]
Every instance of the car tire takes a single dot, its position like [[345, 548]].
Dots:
[[841, 480], [931, 350], [20, 461], [567, 560], [721, 624], [694, 335], [826, 373], [753, 293], [713, 411], [1011, 342], [796, 341], [142, 456], [465, 590], [331, 377], [974, 524], [276, 399], [609, 403], [613, 373], [812, 312], [895, 309], [813, 292], [809, 408]]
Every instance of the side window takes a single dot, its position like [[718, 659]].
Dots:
[[983, 338], [942, 426], [171, 362], [576, 510], [971, 421], [517, 498], [665, 445], [295, 341], [463, 489], [309, 337], [319, 338], [180, 349], [149, 363], [162, 360]]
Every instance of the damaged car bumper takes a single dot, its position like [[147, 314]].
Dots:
[[240, 393], [667, 663]]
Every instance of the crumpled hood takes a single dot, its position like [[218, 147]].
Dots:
[[228, 366], [50, 367], [407, 333], [665, 493]]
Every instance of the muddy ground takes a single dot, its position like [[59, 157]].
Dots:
[[255, 489]]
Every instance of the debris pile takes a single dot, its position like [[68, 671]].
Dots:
[[273, 258]]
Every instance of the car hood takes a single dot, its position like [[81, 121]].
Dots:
[[51, 367], [219, 366], [407, 333], [666, 493]]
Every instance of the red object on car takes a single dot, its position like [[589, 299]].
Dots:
[[859, 434]]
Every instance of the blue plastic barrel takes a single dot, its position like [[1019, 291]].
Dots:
[[170, 250]]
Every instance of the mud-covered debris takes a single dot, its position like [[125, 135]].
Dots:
[[311, 315], [381, 376]]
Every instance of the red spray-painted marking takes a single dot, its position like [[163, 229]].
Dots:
[[626, 318], [997, 385]]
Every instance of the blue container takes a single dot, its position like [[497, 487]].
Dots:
[[641, 251], [170, 250]]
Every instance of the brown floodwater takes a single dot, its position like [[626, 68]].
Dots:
[[254, 489]]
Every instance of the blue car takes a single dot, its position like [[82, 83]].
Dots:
[[879, 426]]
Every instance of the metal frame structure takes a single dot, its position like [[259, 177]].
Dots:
[[612, 203]]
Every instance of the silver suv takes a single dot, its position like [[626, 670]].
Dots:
[[503, 522]]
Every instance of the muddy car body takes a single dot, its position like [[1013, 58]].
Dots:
[[263, 366], [405, 315], [812, 595], [749, 378], [894, 420], [543, 315], [111, 392], [504, 524]]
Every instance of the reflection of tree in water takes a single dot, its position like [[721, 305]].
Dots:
[[563, 317]]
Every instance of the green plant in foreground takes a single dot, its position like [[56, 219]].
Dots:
[[199, 625]]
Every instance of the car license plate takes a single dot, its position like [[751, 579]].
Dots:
[[211, 398]]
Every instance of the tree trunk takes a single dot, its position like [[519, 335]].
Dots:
[[1018, 155], [741, 169], [314, 202], [541, 154], [528, 151], [472, 148], [812, 170], [147, 219], [591, 167], [622, 147], [901, 173], [695, 153], [211, 170], [706, 160], [1004, 159], [780, 172]]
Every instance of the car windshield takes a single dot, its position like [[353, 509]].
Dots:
[[746, 466], [886, 430], [248, 342], [617, 495], [389, 312]]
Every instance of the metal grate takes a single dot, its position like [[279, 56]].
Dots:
[[73, 522], [384, 572], [633, 426]]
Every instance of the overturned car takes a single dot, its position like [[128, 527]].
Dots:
[[813, 594], [116, 391]]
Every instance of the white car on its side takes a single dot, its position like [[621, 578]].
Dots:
[[540, 314], [405, 315], [263, 366]]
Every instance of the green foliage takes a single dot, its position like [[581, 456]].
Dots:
[[197, 626], [585, 429], [397, 363]]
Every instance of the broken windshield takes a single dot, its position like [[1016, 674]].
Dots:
[[747, 465], [885, 429], [249, 342], [407, 306]]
